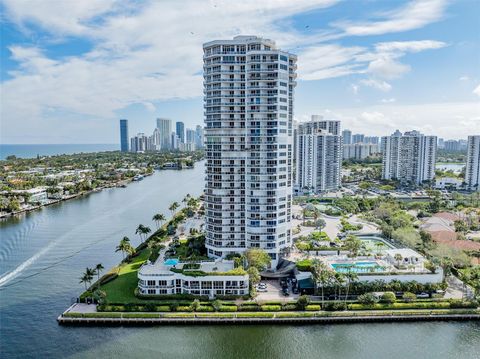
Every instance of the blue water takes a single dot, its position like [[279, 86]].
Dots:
[[171, 262], [31, 151], [358, 267]]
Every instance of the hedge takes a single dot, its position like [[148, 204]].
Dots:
[[414, 305], [228, 308], [255, 315], [271, 308], [141, 315], [295, 315], [313, 307], [205, 308]]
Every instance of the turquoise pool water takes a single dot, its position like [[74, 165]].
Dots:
[[171, 262], [358, 267]]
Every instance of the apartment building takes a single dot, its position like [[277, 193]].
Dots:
[[248, 97]]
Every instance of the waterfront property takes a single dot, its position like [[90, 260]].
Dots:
[[207, 278]]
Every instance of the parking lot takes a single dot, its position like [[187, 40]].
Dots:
[[274, 292]]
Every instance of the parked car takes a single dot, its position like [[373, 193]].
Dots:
[[295, 290], [262, 289], [262, 285], [285, 292]]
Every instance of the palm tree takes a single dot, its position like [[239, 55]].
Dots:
[[351, 277], [320, 274], [159, 219], [90, 272], [185, 199], [173, 207], [140, 231], [123, 246], [98, 269], [146, 231], [84, 280], [353, 244]]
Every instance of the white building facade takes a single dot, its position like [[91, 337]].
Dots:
[[248, 86], [409, 157], [319, 155], [160, 279], [472, 173]]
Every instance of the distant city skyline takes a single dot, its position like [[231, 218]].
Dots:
[[374, 65]]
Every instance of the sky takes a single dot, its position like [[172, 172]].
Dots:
[[71, 69]]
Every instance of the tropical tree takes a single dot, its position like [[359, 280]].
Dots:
[[123, 246], [158, 219], [398, 257], [257, 258], [185, 199], [353, 244], [173, 207], [140, 232], [98, 268], [84, 279], [350, 277], [146, 231], [321, 275]]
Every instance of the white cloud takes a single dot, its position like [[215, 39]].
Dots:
[[387, 67], [383, 119], [327, 61], [464, 78], [476, 91], [145, 52], [377, 84], [414, 15], [388, 100], [354, 88], [409, 46]]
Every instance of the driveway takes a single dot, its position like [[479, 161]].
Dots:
[[274, 292]]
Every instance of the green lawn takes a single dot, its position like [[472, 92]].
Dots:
[[121, 289]]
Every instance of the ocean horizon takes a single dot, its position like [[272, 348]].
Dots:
[[34, 150]]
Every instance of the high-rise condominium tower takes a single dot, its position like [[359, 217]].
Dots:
[[472, 173], [248, 86], [124, 135], [165, 127], [180, 130], [319, 155], [347, 137], [409, 158]]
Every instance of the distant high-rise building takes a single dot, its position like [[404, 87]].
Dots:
[[409, 158], [472, 172], [451, 146], [180, 130], [156, 140], [248, 86], [441, 143], [358, 138], [175, 142], [462, 145], [371, 139], [190, 136], [165, 127], [124, 135], [319, 155], [139, 143], [360, 151], [199, 137], [347, 137]]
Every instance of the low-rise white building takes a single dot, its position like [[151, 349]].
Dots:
[[209, 279]]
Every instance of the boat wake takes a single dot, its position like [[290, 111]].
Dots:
[[14, 273]]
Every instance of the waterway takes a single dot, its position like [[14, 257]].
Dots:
[[43, 254]]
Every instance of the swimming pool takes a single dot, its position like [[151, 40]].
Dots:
[[358, 267], [171, 262]]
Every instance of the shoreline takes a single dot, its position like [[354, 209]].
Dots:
[[334, 318], [118, 184]]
